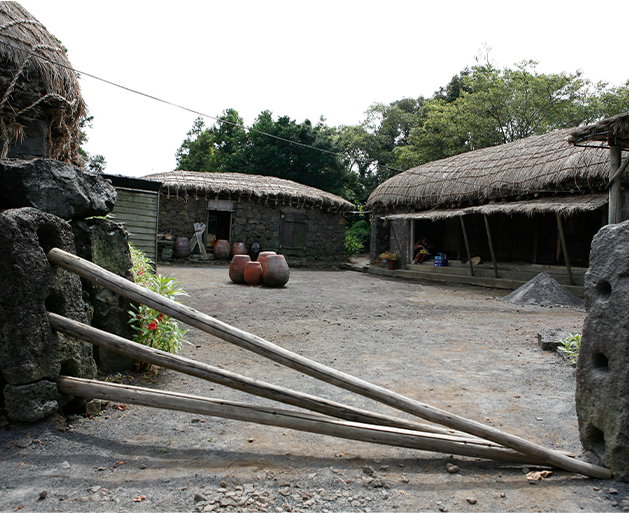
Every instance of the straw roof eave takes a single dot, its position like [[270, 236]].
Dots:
[[238, 187], [535, 166], [613, 130], [39, 82]]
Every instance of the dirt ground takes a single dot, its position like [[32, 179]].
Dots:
[[457, 348]]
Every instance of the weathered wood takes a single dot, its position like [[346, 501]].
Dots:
[[311, 423], [232, 380], [280, 355], [565, 248], [467, 246], [615, 190], [491, 244]]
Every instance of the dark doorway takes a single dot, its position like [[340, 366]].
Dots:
[[219, 224]]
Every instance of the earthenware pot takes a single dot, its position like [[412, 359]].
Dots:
[[254, 251], [275, 271], [221, 249], [262, 257], [239, 248], [391, 265], [237, 268], [182, 247], [253, 273]]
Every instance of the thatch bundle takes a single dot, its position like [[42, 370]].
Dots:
[[36, 82], [533, 167], [614, 130], [237, 186]]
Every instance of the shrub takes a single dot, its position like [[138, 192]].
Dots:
[[571, 347], [153, 328], [353, 246], [362, 230]]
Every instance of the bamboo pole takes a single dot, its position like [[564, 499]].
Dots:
[[564, 247], [300, 421], [204, 322], [491, 245], [232, 380], [467, 246]]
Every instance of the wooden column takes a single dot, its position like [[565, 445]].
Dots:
[[467, 247], [615, 154], [564, 247], [491, 245]]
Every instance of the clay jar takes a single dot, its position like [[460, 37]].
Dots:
[[239, 248], [276, 272], [221, 249], [253, 273], [237, 268], [182, 247], [262, 257]]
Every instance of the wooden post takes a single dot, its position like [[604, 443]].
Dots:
[[565, 248], [491, 245], [398, 245], [288, 419], [120, 285], [615, 200], [230, 379], [467, 247]]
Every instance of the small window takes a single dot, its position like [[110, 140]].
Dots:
[[293, 233]]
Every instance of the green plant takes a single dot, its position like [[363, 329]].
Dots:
[[361, 230], [352, 244], [154, 329], [571, 346]]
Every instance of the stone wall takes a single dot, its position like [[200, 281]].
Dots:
[[325, 233]]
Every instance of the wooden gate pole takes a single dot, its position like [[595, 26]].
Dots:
[[278, 354], [230, 379], [491, 245], [467, 246], [564, 247], [615, 192], [299, 421]]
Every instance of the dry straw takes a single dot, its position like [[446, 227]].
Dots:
[[33, 85], [534, 167]]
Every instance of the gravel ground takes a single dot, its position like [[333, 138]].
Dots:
[[457, 348]]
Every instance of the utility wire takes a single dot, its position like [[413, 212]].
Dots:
[[238, 125]]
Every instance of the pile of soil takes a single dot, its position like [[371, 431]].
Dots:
[[458, 348], [543, 290]]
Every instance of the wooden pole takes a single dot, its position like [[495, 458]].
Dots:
[[491, 245], [230, 379], [565, 248], [467, 247], [278, 354], [615, 199], [398, 245], [300, 421]]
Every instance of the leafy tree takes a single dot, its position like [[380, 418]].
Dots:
[[92, 162]]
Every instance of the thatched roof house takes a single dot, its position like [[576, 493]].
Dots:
[[513, 203], [40, 99], [614, 131], [284, 216]]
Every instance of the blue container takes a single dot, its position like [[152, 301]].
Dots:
[[441, 260]]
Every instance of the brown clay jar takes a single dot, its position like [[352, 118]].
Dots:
[[262, 257], [237, 268], [182, 247], [239, 248], [221, 249], [253, 273], [276, 272]]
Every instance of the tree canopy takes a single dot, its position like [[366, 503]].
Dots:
[[481, 106]]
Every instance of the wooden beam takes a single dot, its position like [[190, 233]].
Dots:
[[467, 246], [615, 192], [120, 285], [300, 421], [230, 379], [491, 245], [565, 248]]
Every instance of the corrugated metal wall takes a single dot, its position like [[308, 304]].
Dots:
[[138, 211]]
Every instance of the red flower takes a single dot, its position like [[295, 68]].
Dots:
[[153, 325], [160, 317]]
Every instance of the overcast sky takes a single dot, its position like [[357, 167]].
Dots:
[[302, 59]]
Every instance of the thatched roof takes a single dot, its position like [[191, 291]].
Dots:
[[614, 131], [34, 86], [533, 167], [565, 206], [237, 186]]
